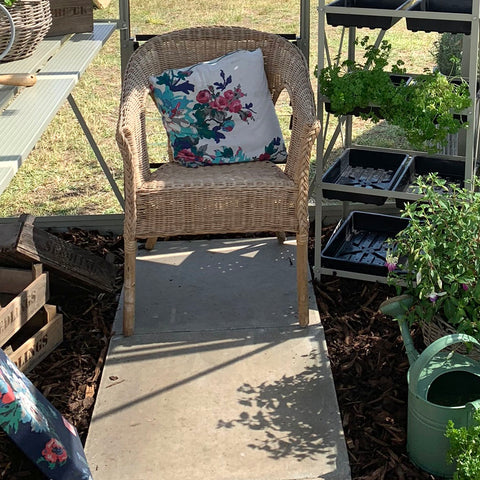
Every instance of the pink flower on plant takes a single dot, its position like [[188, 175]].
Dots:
[[235, 106], [465, 286], [391, 262], [203, 96], [433, 297]]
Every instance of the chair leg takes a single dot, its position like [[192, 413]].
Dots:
[[281, 237], [129, 288], [302, 280], [150, 243]]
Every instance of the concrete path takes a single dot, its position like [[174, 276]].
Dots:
[[218, 382]]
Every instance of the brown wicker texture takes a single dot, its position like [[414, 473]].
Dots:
[[32, 20], [252, 197], [438, 328]]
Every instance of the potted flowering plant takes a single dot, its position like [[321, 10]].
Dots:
[[437, 258]]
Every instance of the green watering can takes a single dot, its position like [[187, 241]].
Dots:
[[442, 386]]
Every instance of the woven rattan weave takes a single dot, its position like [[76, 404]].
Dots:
[[438, 328], [32, 19], [241, 198]]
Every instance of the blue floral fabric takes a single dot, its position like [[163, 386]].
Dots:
[[30, 420], [220, 111]]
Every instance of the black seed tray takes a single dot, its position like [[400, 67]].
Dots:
[[441, 26], [453, 171], [357, 111], [349, 20], [359, 245], [364, 168]]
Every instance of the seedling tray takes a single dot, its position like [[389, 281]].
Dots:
[[364, 168], [442, 26], [359, 245], [349, 20], [453, 171]]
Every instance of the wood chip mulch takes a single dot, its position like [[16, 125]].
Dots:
[[366, 352]]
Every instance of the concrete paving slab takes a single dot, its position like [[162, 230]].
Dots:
[[207, 388]]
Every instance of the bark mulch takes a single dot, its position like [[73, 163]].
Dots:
[[366, 352]]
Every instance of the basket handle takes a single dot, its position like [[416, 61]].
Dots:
[[436, 347], [12, 36]]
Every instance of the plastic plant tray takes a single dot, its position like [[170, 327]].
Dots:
[[359, 245], [442, 26], [369, 21], [453, 171], [364, 168]]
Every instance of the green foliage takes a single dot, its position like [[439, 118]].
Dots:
[[424, 108], [447, 51], [350, 85], [438, 255], [465, 449], [8, 3]]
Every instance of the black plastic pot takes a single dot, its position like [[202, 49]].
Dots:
[[453, 171], [442, 26], [359, 245], [349, 20], [364, 168]]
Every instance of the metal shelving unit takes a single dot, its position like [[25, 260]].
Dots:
[[468, 140]]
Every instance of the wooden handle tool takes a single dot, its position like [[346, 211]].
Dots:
[[19, 79]]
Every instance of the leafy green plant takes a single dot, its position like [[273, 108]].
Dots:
[[425, 109], [437, 256], [465, 449], [351, 85], [9, 3], [447, 51]]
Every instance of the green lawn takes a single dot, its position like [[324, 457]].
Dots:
[[62, 176]]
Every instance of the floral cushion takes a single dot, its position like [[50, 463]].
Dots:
[[220, 111]]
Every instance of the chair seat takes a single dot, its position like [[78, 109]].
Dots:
[[244, 197]]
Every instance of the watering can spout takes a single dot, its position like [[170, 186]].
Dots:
[[396, 308]]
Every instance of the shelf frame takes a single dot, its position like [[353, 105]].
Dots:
[[469, 139]]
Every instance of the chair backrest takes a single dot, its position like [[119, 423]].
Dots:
[[285, 68], [186, 47]]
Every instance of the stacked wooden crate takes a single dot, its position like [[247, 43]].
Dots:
[[29, 327]]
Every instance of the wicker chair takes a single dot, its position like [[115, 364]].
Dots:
[[248, 197]]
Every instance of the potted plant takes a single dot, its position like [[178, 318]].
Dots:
[[436, 258], [465, 449], [425, 108], [32, 20]]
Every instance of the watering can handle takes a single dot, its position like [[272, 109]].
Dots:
[[472, 408], [434, 348]]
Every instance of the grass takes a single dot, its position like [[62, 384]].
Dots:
[[62, 176]]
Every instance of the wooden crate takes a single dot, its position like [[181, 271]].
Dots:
[[36, 339], [21, 244], [22, 294], [71, 16]]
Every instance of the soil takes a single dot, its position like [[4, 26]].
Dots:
[[366, 352]]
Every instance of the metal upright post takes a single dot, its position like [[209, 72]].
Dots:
[[126, 41]]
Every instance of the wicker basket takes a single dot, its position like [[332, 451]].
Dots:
[[32, 20], [438, 328]]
